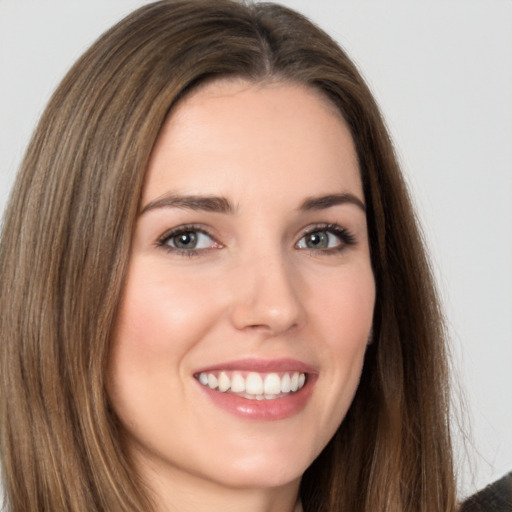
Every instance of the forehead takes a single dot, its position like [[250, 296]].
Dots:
[[269, 136]]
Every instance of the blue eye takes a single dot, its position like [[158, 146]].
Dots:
[[326, 238], [187, 239]]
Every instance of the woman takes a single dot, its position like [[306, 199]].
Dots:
[[211, 208]]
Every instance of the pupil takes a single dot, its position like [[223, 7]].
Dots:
[[185, 240], [318, 239]]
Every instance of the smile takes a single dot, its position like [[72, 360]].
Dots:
[[254, 385], [259, 389]]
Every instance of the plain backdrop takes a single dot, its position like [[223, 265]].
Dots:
[[442, 73]]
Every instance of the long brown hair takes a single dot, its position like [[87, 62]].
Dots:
[[65, 246]]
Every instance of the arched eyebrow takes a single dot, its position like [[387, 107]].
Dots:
[[218, 204], [327, 201], [205, 203]]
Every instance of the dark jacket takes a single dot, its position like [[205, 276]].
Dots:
[[496, 497]]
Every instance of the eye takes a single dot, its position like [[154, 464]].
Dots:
[[326, 238], [187, 239], [319, 240]]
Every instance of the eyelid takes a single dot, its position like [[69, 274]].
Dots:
[[344, 235], [185, 228], [347, 238]]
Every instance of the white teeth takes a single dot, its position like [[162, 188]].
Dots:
[[272, 384], [224, 382], [255, 386], [237, 383], [212, 381], [295, 382], [286, 383]]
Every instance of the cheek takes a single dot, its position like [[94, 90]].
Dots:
[[344, 309], [344, 313], [164, 312], [161, 319]]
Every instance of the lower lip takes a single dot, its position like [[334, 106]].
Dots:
[[265, 410]]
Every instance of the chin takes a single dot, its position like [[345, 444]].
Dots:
[[267, 475], [270, 466]]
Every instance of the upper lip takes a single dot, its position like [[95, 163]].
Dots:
[[261, 366]]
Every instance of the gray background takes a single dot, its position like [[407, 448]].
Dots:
[[442, 72]]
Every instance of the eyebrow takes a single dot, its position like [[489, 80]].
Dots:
[[324, 202], [222, 205], [204, 203]]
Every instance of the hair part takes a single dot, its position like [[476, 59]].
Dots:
[[65, 247]]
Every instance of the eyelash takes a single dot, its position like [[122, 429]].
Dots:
[[189, 228], [345, 236]]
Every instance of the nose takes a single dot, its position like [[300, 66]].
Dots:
[[266, 295]]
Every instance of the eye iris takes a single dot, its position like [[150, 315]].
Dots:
[[317, 240], [187, 240]]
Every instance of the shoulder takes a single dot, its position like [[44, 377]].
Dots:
[[496, 497]]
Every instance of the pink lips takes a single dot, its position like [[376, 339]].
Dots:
[[266, 410], [262, 366]]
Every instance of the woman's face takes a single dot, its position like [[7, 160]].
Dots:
[[249, 295]]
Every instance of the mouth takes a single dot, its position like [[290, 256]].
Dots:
[[254, 385], [259, 389]]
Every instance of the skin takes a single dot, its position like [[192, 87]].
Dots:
[[253, 289]]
